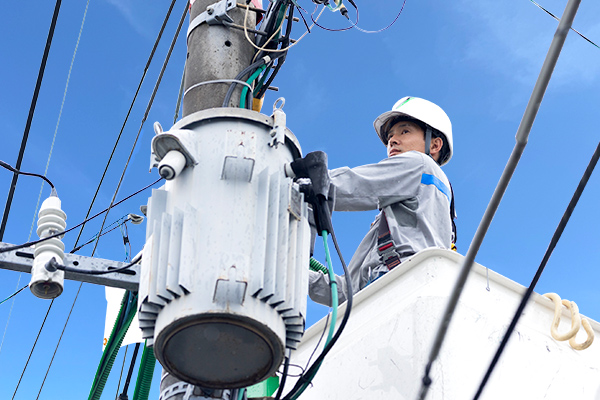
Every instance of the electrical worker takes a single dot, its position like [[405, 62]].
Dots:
[[410, 189]]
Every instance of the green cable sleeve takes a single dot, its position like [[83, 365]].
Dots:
[[112, 346], [250, 80], [334, 292], [146, 371], [334, 307]]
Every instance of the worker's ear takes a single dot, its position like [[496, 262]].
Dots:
[[436, 146]]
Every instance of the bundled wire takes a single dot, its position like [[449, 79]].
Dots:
[[116, 224], [306, 378], [28, 244]]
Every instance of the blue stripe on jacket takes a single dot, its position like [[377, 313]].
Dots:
[[427, 179]]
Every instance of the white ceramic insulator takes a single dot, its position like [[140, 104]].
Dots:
[[47, 284], [171, 165]]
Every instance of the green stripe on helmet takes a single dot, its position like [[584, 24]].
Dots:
[[403, 103]]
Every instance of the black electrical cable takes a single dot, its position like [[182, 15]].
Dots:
[[270, 21], [32, 348], [249, 69], [16, 171], [271, 30], [53, 263], [285, 43], [300, 9], [123, 395], [307, 376], [555, 238], [318, 342], [382, 29], [121, 373], [21, 246], [284, 374], [162, 28], [314, 21], [36, 91]]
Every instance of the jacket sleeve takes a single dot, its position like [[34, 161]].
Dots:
[[320, 291], [368, 186]]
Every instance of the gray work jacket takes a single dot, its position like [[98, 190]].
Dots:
[[415, 195]]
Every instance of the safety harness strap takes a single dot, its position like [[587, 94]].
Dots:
[[386, 248]]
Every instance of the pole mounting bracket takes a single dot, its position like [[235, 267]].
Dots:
[[215, 14]]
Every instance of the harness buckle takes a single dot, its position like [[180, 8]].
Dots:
[[387, 252]]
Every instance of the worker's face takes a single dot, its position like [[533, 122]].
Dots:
[[405, 136]]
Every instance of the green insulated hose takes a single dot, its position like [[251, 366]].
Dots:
[[145, 373], [250, 80], [124, 318]]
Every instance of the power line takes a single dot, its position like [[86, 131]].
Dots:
[[555, 238], [59, 339], [28, 244], [48, 162], [150, 57], [148, 107], [13, 184], [14, 294], [558, 19], [36, 91], [62, 104], [32, 348], [522, 136], [110, 158]]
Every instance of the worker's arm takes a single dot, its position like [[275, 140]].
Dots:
[[319, 289], [373, 186]]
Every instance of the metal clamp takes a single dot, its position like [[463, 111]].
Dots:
[[215, 14], [279, 123]]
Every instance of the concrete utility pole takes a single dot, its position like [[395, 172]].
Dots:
[[215, 52]]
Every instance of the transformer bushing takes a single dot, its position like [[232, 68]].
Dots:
[[48, 282], [224, 274]]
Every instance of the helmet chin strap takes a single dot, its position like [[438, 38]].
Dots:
[[427, 140]]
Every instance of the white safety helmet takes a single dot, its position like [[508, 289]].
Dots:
[[424, 111]]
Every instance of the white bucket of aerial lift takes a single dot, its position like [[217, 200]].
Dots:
[[47, 284], [224, 271], [383, 350]]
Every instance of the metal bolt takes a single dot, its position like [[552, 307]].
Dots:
[[210, 10]]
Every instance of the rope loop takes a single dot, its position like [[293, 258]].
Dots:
[[576, 323]]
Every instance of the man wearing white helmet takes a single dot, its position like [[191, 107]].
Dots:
[[409, 188]]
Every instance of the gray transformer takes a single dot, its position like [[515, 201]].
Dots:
[[224, 273]]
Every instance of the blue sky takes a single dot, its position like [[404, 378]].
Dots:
[[478, 60]]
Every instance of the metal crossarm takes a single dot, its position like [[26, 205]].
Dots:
[[22, 260]]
